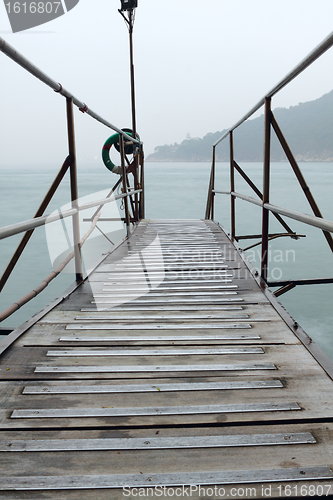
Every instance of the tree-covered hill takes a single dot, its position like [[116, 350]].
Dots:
[[308, 128]]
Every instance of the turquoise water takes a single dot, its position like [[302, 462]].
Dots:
[[179, 190]]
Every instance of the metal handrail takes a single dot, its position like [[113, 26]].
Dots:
[[326, 44], [20, 227], [57, 87], [324, 224], [37, 290], [316, 219], [40, 219]]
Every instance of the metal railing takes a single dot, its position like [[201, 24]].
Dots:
[[134, 210], [264, 196]]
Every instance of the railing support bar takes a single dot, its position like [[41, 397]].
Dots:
[[312, 220], [130, 197], [265, 197], [109, 194], [136, 187], [24, 300], [21, 227], [122, 154], [259, 193], [41, 209], [232, 187], [210, 198], [131, 167], [212, 206], [210, 193], [74, 190], [142, 185], [273, 237], [258, 236], [310, 281], [284, 289], [300, 177]]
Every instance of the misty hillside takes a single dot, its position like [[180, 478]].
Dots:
[[308, 128]]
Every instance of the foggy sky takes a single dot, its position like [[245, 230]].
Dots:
[[199, 66]]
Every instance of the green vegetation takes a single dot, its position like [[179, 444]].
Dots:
[[307, 127]]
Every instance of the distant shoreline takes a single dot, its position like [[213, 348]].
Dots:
[[307, 128]]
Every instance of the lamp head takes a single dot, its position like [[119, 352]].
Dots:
[[128, 5]]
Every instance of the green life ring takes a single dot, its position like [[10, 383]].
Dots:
[[106, 154], [113, 140]]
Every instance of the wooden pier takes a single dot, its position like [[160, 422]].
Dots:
[[169, 366]]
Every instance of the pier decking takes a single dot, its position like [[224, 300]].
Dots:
[[169, 366]]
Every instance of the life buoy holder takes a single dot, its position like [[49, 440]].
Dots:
[[113, 140]]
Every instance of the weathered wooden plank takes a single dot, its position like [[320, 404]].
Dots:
[[258, 311], [153, 411], [243, 297], [177, 479], [288, 359], [104, 326], [249, 394], [153, 352], [238, 285], [267, 333], [157, 338], [168, 274], [179, 442], [162, 387], [153, 316]]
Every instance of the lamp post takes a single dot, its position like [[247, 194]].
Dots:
[[127, 7]]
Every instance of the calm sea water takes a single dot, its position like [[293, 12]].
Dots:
[[179, 190]]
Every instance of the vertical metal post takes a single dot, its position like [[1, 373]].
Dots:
[[131, 23], [122, 154], [212, 206], [265, 197], [136, 162], [74, 190], [128, 184], [209, 194], [209, 214], [136, 184], [232, 187], [142, 184]]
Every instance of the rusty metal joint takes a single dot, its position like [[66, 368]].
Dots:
[[70, 158], [84, 108]]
